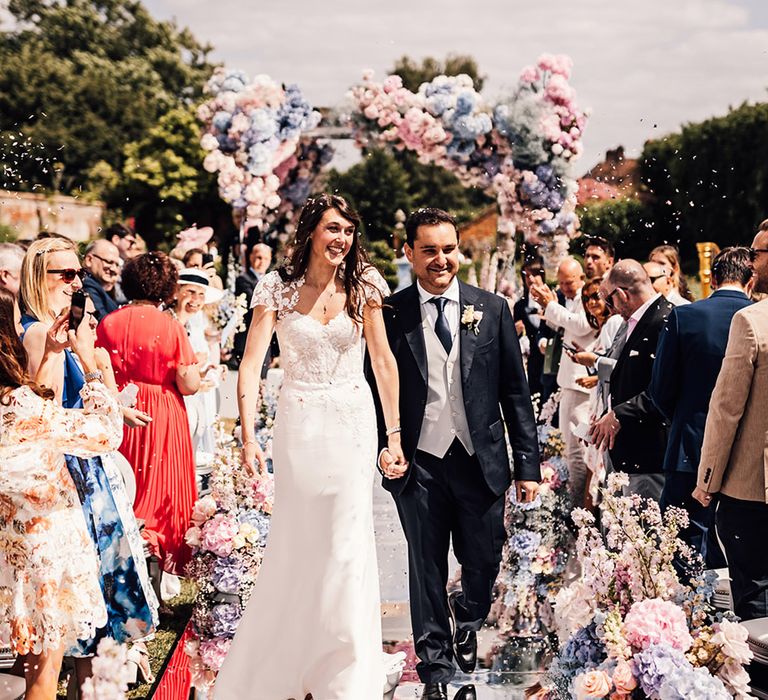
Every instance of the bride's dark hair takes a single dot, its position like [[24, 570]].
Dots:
[[13, 357], [357, 288]]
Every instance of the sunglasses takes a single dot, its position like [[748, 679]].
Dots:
[[595, 296], [69, 274], [754, 252], [108, 263], [609, 298], [657, 277]]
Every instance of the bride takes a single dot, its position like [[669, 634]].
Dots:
[[313, 625]]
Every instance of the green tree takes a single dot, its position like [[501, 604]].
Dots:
[[382, 256], [377, 187], [627, 223], [709, 182], [163, 182], [81, 79], [414, 73]]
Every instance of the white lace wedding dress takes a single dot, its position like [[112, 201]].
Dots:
[[313, 624]]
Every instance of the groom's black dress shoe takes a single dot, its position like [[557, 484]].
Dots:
[[466, 692], [435, 691], [464, 642]]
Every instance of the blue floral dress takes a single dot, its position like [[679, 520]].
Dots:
[[130, 600]]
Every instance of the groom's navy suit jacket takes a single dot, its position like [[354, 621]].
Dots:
[[493, 383]]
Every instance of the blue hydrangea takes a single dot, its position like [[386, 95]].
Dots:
[[225, 618], [692, 684], [258, 520], [222, 120], [583, 651], [525, 543], [655, 664], [227, 575]]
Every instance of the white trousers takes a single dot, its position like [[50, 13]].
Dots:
[[574, 409]]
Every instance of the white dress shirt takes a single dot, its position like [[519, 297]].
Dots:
[[451, 311], [577, 331]]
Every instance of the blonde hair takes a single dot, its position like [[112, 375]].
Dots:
[[33, 286]]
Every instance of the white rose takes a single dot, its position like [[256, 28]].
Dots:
[[732, 637]]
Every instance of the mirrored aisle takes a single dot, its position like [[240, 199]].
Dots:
[[503, 672]]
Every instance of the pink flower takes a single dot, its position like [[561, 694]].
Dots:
[[371, 112], [219, 533], [193, 536], [592, 684], [529, 74], [656, 621], [392, 83], [212, 652], [623, 680]]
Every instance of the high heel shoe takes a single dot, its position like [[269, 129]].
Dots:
[[138, 663]]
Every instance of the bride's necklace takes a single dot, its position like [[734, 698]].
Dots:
[[326, 296]]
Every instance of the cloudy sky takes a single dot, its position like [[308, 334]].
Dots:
[[643, 67]]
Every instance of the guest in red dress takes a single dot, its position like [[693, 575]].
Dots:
[[151, 350]]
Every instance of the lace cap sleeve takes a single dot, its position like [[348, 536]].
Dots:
[[268, 292], [378, 289]]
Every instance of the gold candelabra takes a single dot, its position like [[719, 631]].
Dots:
[[707, 253]]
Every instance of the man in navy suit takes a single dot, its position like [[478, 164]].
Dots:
[[463, 393], [688, 360]]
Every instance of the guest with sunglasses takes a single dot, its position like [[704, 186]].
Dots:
[[102, 261], [664, 282], [50, 275], [633, 431], [606, 322]]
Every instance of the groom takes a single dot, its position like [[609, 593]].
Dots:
[[460, 371]]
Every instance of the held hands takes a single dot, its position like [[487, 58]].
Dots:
[[525, 491], [252, 458], [392, 461], [604, 431]]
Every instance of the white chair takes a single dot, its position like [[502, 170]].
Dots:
[[11, 687], [758, 643], [722, 598]]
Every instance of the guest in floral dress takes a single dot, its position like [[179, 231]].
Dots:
[[50, 594], [50, 274]]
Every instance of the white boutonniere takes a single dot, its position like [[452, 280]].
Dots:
[[470, 319]]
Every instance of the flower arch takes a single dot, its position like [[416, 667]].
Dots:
[[520, 150], [258, 139]]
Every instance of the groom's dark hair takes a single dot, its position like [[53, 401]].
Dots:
[[426, 216]]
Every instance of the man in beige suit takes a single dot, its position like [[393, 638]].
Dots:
[[734, 456]]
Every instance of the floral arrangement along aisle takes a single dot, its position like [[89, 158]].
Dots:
[[228, 534], [521, 150], [110, 673], [639, 624], [536, 553], [256, 140]]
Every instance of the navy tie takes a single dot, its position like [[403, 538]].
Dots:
[[442, 329]]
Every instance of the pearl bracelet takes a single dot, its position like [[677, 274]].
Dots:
[[392, 431]]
